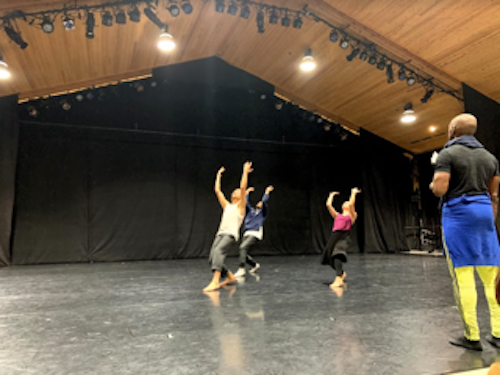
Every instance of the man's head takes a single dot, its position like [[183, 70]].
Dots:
[[260, 205], [464, 124], [236, 195]]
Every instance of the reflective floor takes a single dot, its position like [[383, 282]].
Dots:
[[394, 317]]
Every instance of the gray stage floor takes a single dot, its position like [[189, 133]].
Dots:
[[151, 318]]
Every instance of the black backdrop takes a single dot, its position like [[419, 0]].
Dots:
[[129, 175]]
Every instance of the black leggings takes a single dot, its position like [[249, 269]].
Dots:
[[338, 265]]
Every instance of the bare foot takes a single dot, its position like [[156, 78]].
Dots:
[[344, 275], [229, 280], [338, 283], [212, 286]]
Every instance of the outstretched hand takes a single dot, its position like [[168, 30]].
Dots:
[[250, 189], [334, 193], [356, 190], [221, 171], [247, 167], [269, 189]]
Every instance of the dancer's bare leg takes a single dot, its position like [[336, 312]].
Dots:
[[215, 283]]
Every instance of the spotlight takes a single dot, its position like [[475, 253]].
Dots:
[[166, 41], [285, 21], [297, 22], [381, 64], [327, 127], [174, 10], [134, 14], [121, 18], [308, 64], [15, 37], [90, 26], [427, 96], [334, 36], [344, 43], [232, 9], [153, 18], [401, 74], [65, 105], [32, 111], [278, 106], [353, 54], [69, 23], [273, 17], [219, 6], [4, 69], [260, 22], [363, 56], [90, 96], [319, 120], [411, 81], [245, 11], [107, 19], [432, 128], [187, 8], [390, 74], [79, 97], [47, 25], [408, 114]]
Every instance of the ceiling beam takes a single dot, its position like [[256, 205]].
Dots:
[[343, 20]]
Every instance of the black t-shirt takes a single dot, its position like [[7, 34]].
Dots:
[[471, 169]]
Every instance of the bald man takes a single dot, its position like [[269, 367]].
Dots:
[[466, 177]]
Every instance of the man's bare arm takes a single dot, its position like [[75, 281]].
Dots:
[[440, 183], [247, 169], [493, 189], [220, 195]]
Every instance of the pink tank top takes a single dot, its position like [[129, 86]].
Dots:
[[342, 222]]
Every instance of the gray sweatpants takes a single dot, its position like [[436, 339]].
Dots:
[[247, 243], [221, 245]]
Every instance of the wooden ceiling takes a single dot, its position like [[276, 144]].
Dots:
[[453, 40]]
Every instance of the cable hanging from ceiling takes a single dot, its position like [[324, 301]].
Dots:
[[265, 14]]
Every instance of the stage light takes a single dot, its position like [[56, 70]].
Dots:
[[411, 81], [79, 97], [408, 114], [427, 96], [334, 36], [232, 9], [402, 74], [327, 127], [121, 18], [260, 22], [285, 21], [381, 64], [432, 128], [65, 105], [90, 96], [219, 6], [32, 111], [134, 14], [187, 7], [273, 17], [107, 19], [15, 37], [4, 69], [47, 25], [363, 56], [278, 106], [245, 11], [174, 10], [297, 22], [68, 23], [166, 41], [372, 60], [353, 54], [308, 64], [344, 43], [153, 18], [390, 74], [90, 26]]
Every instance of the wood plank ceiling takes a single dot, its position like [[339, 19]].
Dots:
[[453, 40]]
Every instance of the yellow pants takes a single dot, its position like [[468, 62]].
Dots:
[[464, 286]]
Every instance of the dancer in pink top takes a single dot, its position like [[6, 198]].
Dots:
[[335, 251]]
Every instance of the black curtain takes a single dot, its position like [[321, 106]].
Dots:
[[9, 134]]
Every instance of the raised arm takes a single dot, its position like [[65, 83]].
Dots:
[[352, 203], [220, 195], [247, 169], [329, 204], [247, 196], [265, 198]]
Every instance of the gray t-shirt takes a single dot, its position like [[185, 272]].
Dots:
[[471, 170]]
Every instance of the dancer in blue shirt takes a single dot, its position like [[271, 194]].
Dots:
[[253, 231]]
